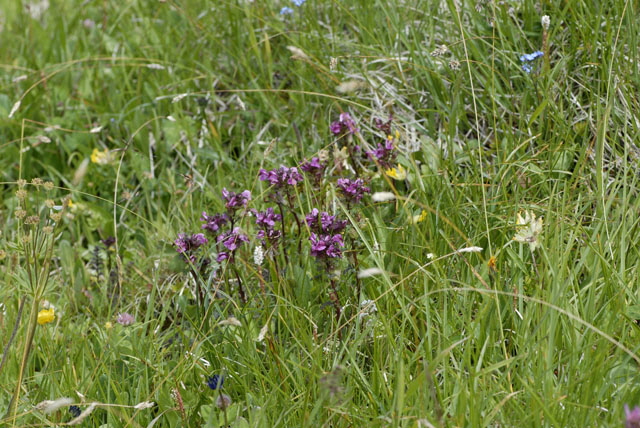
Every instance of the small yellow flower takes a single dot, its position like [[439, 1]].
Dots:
[[101, 157], [492, 263], [46, 316], [398, 173], [108, 325], [419, 217]]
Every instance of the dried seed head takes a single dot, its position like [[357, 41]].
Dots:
[[223, 401], [21, 194], [26, 239], [48, 185], [440, 51], [32, 219], [48, 230], [37, 181], [22, 182], [56, 217], [49, 203], [454, 64], [20, 213], [333, 64]]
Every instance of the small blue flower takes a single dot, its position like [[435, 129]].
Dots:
[[531, 56], [299, 2], [286, 11], [215, 381], [528, 58]]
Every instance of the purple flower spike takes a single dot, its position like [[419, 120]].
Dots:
[[385, 154], [186, 243], [326, 246], [352, 190], [324, 223], [314, 168], [267, 219], [236, 200], [232, 240], [281, 177], [125, 318], [344, 124], [214, 223], [632, 417]]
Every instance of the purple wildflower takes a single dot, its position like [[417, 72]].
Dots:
[[125, 318], [384, 126], [326, 246], [323, 222], [186, 243], [231, 241], [344, 124], [282, 176], [267, 219], [352, 190], [384, 155], [632, 417], [236, 200], [314, 168], [214, 223]]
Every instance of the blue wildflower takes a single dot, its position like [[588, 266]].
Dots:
[[528, 58], [215, 381], [286, 11], [299, 2]]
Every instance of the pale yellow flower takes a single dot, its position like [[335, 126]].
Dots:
[[46, 316], [108, 325], [528, 229], [398, 173], [419, 217], [101, 157]]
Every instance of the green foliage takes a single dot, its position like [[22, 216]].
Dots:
[[143, 111]]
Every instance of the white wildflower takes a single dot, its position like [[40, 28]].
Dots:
[[95, 130], [258, 255], [155, 66], [528, 229], [545, 21]]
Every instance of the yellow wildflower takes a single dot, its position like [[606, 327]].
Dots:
[[46, 316], [398, 173], [108, 325], [101, 157], [419, 217], [492, 263]]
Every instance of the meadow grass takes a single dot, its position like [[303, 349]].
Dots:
[[184, 98]]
